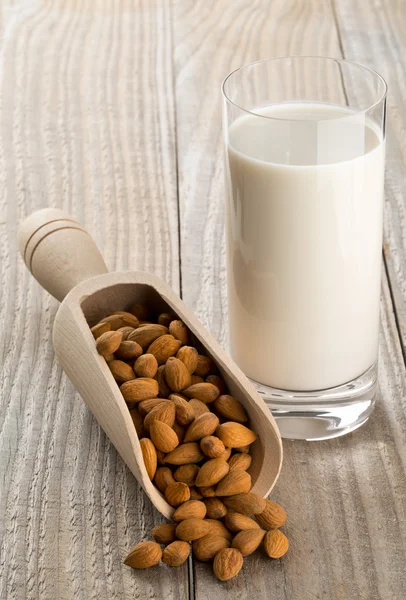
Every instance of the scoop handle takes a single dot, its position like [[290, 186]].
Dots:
[[58, 251]]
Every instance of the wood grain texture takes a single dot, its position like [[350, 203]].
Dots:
[[345, 498], [87, 125], [90, 122]]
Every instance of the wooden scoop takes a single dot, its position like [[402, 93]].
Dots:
[[65, 260]]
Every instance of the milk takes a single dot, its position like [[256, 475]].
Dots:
[[304, 235]]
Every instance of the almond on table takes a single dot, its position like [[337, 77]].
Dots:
[[227, 563], [176, 553], [190, 509], [206, 547], [195, 439], [216, 509], [164, 533], [144, 555], [276, 543]]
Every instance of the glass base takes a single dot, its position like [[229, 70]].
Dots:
[[323, 414]]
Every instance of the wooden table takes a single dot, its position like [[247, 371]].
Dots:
[[110, 109]]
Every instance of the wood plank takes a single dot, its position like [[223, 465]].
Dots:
[[383, 48], [345, 497], [87, 125]]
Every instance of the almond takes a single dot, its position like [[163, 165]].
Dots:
[[272, 517], [246, 504], [243, 449], [164, 347], [206, 392], [121, 371], [216, 509], [185, 453], [192, 529], [179, 331], [204, 425], [107, 343], [227, 563], [227, 406], [164, 389], [247, 541], [177, 493], [139, 389], [195, 494], [236, 522], [164, 438], [149, 456], [212, 446], [240, 462], [163, 477], [192, 509], [226, 454], [218, 382], [165, 319], [164, 533], [109, 357], [146, 406], [235, 435], [146, 334], [218, 528], [138, 422], [206, 547], [184, 412], [188, 355], [237, 482], [125, 332], [164, 412], [197, 379], [143, 555], [146, 365], [140, 311], [212, 472], [187, 474], [199, 407], [208, 492], [131, 319], [128, 350], [176, 374], [160, 456], [180, 431], [121, 319], [101, 328], [176, 553], [276, 543], [205, 366]]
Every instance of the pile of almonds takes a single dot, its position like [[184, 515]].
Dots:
[[197, 433]]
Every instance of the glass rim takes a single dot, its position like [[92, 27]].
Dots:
[[379, 101]]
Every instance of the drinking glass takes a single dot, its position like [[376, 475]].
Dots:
[[304, 165]]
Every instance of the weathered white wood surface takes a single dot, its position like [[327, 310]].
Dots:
[[110, 109], [87, 125]]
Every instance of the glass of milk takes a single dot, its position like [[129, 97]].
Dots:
[[304, 163]]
